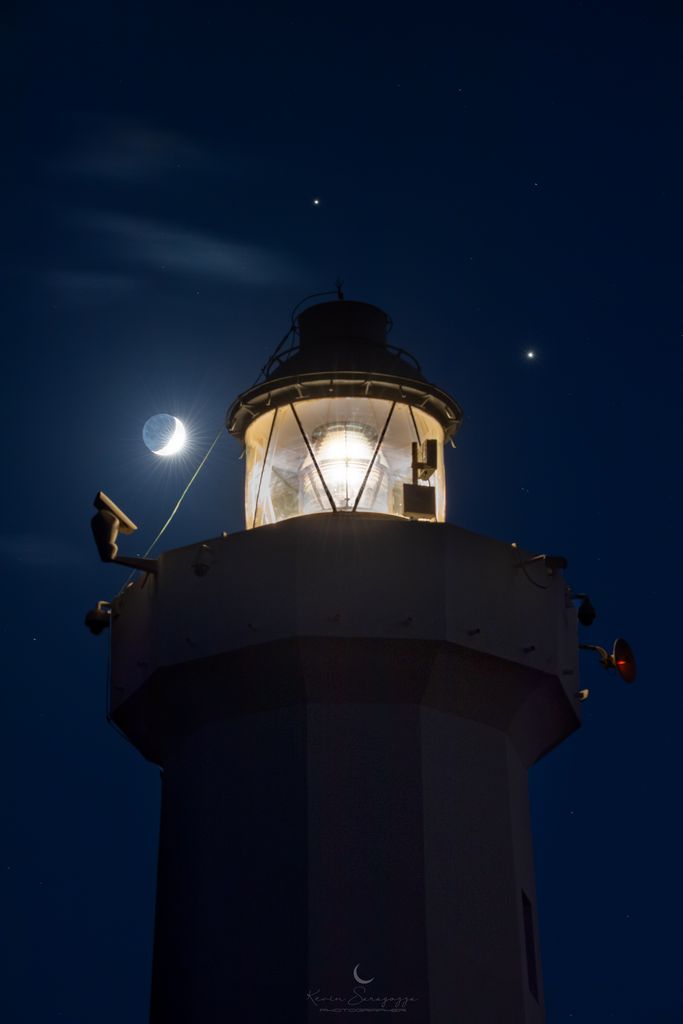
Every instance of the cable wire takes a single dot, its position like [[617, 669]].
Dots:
[[532, 580], [180, 499], [177, 505]]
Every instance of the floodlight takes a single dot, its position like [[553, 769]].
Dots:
[[586, 611], [106, 526], [99, 618]]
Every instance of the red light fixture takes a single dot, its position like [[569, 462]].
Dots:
[[624, 660]]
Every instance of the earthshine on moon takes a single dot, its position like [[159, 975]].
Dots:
[[164, 434]]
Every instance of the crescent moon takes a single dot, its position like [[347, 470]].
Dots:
[[176, 442], [361, 981]]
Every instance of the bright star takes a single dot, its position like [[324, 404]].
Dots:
[[531, 354], [316, 202]]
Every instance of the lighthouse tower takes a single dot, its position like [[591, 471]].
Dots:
[[344, 700]]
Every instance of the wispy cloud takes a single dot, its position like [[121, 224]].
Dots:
[[124, 248], [166, 247], [124, 150]]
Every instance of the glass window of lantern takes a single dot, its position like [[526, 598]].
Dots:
[[284, 479]]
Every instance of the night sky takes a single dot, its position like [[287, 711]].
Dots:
[[500, 178]]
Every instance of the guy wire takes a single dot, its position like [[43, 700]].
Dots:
[[177, 505]]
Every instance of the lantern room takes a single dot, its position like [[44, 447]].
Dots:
[[342, 422]]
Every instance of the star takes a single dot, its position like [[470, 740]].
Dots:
[[316, 202], [531, 354]]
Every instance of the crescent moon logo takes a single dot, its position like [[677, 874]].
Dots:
[[361, 981]]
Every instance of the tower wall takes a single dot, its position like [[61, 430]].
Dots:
[[301, 841], [344, 708]]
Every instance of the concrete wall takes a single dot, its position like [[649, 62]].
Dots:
[[355, 576], [344, 708], [299, 842]]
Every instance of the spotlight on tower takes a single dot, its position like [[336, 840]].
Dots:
[[106, 526], [99, 618], [622, 658], [586, 611]]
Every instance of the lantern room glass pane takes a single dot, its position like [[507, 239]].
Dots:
[[286, 479]]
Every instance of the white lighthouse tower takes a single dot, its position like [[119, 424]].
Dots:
[[344, 700]]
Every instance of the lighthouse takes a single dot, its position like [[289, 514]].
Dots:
[[344, 700]]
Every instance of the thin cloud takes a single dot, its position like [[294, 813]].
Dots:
[[118, 149], [165, 247]]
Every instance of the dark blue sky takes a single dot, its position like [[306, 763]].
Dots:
[[498, 178]]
